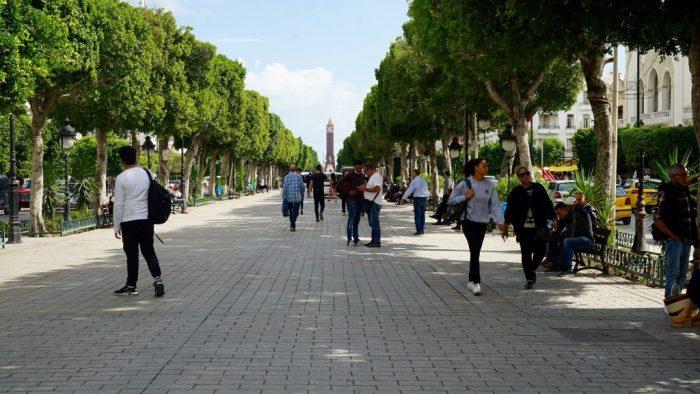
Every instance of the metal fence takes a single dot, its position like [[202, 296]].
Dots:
[[647, 267], [88, 223]]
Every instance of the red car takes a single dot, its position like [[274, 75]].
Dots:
[[25, 193]]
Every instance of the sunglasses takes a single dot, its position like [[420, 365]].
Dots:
[[524, 174]]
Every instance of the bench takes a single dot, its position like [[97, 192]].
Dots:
[[597, 251], [175, 206]]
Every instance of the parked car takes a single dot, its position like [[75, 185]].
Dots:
[[623, 206], [25, 194], [559, 190], [4, 189], [651, 191]]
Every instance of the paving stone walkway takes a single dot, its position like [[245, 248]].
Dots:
[[251, 307]]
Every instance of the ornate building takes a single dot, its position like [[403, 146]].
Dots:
[[330, 156]]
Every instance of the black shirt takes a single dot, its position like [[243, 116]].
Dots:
[[318, 179]]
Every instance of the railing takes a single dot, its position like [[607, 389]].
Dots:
[[646, 116], [687, 110], [88, 223], [660, 114], [648, 267], [624, 240], [2, 237], [198, 202]]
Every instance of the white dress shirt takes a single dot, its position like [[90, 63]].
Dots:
[[374, 181], [130, 196], [418, 187]]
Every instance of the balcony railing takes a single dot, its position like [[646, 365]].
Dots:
[[660, 114], [687, 110]]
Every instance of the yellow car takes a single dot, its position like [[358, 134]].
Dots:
[[651, 191], [623, 207]]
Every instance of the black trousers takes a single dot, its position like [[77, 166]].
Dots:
[[343, 204], [139, 234], [319, 200], [442, 208], [474, 233], [532, 251]]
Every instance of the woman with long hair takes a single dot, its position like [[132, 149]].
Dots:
[[482, 204]]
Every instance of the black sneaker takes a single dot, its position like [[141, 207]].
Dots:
[[321, 215], [159, 287], [317, 220], [373, 245], [348, 244], [529, 285], [126, 291]]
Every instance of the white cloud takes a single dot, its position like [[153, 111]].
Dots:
[[306, 98]]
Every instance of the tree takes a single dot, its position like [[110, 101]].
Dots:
[[553, 150]]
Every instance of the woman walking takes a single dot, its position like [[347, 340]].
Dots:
[[528, 210], [481, 203]]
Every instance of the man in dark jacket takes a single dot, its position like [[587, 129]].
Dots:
[[675, 219], [349, 187], [581, 236], [528, 210]]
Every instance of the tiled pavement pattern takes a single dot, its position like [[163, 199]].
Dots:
[[251, 307]]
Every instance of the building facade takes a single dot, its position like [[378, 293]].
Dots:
[[563, 124], [664, 89], [330, 150]]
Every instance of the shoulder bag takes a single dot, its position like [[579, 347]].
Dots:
[[455, 211], [367, 204]]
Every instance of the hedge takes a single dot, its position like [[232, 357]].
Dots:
[[658, 142]]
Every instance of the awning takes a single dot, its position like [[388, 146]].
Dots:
[[571, 168]]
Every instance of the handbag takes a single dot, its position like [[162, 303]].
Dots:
[[455, 211], [285, 208], [367, 204], [675, 304]]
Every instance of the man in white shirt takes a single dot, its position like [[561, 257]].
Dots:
[[419, 189], [131, 223], [372, 190]]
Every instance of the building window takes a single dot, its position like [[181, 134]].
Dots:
[[654, 92], [668, 96], [569, 121], [586, 121]]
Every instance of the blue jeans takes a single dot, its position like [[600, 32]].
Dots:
[[419, 204], [293, 212], [374, 223], [354, 216], [676, 255], [571, 244]]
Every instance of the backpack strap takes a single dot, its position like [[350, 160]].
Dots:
[[148, 173]]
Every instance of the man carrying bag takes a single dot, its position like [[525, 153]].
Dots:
[[372, 204]]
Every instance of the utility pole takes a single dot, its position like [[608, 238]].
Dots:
[[613, 141]]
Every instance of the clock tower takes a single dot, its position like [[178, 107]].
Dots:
[[330, 156]]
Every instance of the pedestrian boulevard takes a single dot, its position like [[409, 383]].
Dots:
[[252, 307]]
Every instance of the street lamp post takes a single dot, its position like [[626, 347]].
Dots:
[[67, 135], [640, 244], [148, 146], [15, 232], [455, 151]]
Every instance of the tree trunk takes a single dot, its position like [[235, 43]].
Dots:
[[592, 67], [135, 142], [212, 174], [434, 184], [474, 135], [507, 163], [164, 166], [404, 163], [189, 159], [446, 140], [36, 199], [225, 171], [694, 65], [232, 181], [520, 131], [101, 169]]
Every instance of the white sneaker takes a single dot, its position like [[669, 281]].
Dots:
[[470, 286], [476, 289]]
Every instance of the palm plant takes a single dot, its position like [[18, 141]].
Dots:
[[84, 191], [661, 168], [53, 199], [596, 195]]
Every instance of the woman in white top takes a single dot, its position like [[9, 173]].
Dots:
[[482, 205]]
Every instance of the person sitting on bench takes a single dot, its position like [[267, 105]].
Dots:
[[176, 196], [581, 235]]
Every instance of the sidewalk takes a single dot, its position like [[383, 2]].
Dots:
[[251, 307]]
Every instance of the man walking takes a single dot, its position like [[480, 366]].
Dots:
[[131, 223], [293, 192], [674, 218], [350, 187], [419, 189], [316, 182], [371, 192], [528, 209]]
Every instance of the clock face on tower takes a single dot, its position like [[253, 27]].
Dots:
[[330, 155]]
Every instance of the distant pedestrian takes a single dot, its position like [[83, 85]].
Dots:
[[316, 182], [529, 208], [420, 192], [293, 193], [305, 180], [131, 223], [372, 198], [674, 222], [343, 197], [448, 185], [482, 205], [350, 186]]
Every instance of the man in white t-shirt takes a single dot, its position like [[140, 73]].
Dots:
[[373, 194], [131, 223]]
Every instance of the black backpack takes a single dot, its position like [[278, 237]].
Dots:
[[159, 202]]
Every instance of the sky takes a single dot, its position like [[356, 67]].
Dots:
[[314, 59]]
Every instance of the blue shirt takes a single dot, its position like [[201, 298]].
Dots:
[[418, 187], [293, 187]]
